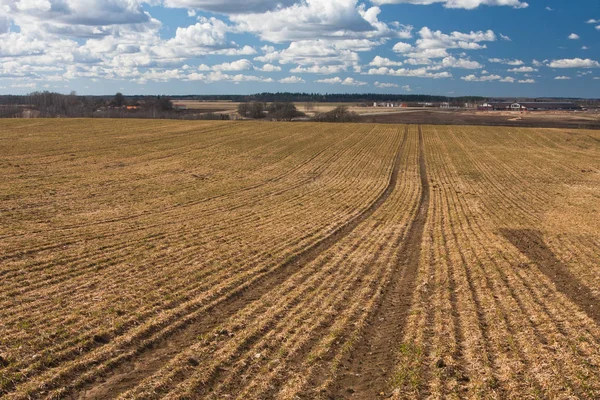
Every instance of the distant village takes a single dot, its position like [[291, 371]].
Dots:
[[491, 106]]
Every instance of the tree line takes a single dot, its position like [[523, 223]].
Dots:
[[287, 111], [52, 105]]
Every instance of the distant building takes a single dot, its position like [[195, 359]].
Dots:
[[530, 106]]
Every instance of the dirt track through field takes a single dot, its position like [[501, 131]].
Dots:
[[372, 362], [531, 243], [131, 372]]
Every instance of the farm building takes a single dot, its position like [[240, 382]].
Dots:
[[530, 106]]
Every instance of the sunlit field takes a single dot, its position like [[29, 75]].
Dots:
[[243, 259]]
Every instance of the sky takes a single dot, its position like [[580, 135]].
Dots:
[[440, 47]]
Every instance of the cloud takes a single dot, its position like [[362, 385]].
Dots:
[[320, 19], [574, 63], [562, 78], [487, 78], [506, 61], [314, 56], [219, 76], [337, 80], [402, 47], [385, 85], [407, 88], [185, 75], [232, 51], [549, 9], [593, 21], [76, 12], [230, 6], [466, 4], [416, 73], [573, 36], [523, 69], [353, 82], [29, 85], [292, 79], [330, 81], [316, 69], [239, 65], [384, 62], [451, 62], [269, 68], [18, 45], [505, 38], [436, 44], [526, 81]]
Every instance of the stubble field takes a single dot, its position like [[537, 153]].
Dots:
[[192, 260]]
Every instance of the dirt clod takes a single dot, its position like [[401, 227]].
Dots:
[[3, 362], [102, 339]]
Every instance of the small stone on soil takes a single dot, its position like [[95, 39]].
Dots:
[[193, 362], [440, 363]]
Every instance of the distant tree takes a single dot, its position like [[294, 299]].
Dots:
[[254, 109], [164, 103], [243, 109], [339, 114], [283, 111], [119, 100]]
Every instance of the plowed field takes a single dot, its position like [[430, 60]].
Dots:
[[212, 260]]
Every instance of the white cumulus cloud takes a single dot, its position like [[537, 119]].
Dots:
[[239, 65], [292, 79], [488, 78], [523, 69], [269, 68], [574, 63], [466, 4], [506, 61], [385, 85], [384, 62]]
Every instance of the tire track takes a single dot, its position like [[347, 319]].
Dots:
[[372, 362], [145, 363], [531, 243]]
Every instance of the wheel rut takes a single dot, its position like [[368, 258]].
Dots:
[[370, 368], [531, 243], [131, 372]]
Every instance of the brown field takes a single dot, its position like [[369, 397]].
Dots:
[[228, 107], [532, 119], [257, 260]]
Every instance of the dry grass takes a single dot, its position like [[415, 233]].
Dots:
[[176, 259]]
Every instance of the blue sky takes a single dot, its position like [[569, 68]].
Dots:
[[445, 47]]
